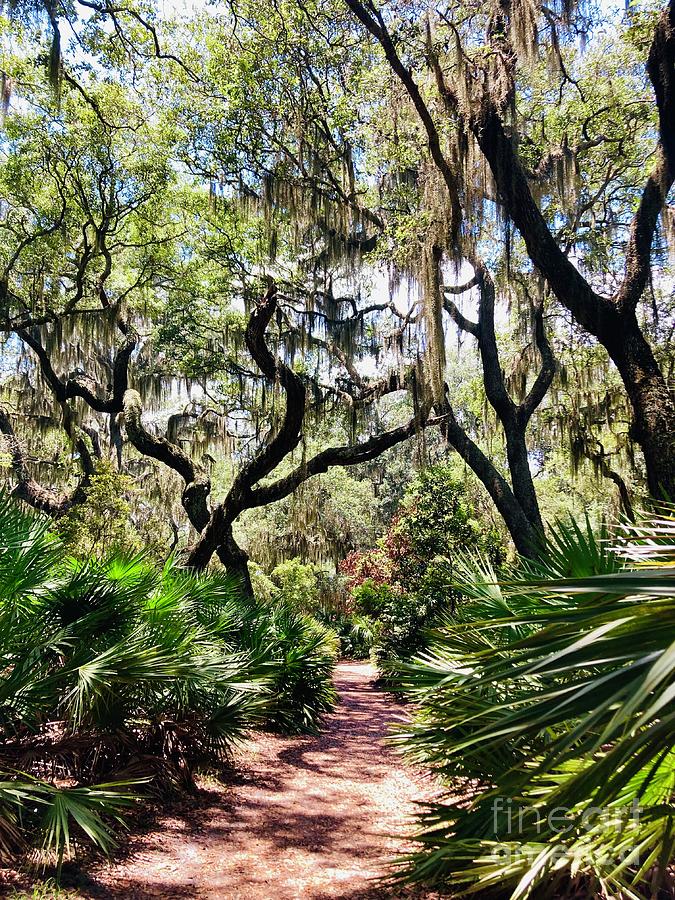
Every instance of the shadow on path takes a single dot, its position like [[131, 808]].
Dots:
[[314, 817]]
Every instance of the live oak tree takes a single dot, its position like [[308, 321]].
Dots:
[[215, 214], [312, 156], [96, 259], [464, 68], [383, 168]]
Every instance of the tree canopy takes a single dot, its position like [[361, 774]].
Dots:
[[247, 245]]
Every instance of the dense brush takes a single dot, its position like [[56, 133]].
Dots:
[[114, 674], [546, 708]]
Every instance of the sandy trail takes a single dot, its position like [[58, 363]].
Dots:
[[309, 817]]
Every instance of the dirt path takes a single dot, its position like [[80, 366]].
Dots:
[[312, 817]]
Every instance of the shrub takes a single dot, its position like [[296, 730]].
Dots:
[[101, 525], [113, 670], [436, 521], [407, 582], [371, 598], [369, 565], [298, 655], [264, 589], [356, 634], [547, 705], [296, 584]]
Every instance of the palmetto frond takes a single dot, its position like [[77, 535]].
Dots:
[[162, 666], [562, 701]]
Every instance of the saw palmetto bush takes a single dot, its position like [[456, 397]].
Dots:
[[302, 655], [547, 707], [118, 679]]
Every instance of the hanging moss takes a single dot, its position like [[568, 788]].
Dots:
[[668, 228]]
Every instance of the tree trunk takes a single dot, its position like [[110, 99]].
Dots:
[[513, 418], [611, 319], [652, 402], [521, 476], [235, 560], [523, 533]]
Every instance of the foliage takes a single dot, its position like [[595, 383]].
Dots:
[[101, 525], [322, 522], [356, 633], [302, 655], [264, 589], [547, 704], [407, 581], [437, 518], [156, 179], [150, 193], [113, 670], [47, 889], [371, 598], [373, 566], [308, 588], [296, 584]]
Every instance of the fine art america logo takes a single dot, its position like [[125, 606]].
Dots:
[[520, 831]]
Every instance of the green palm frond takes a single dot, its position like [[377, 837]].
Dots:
[[111, 665], [88, 808], [569, 550], [52, 811], [562, 701]]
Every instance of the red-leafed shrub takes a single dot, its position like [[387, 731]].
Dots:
[[373, 565], [407, 580]]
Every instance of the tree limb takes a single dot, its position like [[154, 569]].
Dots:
[[288, 435], [460, 288], [373, 21], [197, 483], [661, 71], [547, 371], [53, 503], [459, 318], [217, 535], [591, 310], [67, 389], [348, 455], [523, 532]]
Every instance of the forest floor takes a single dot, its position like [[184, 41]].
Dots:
[[303, 817]]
